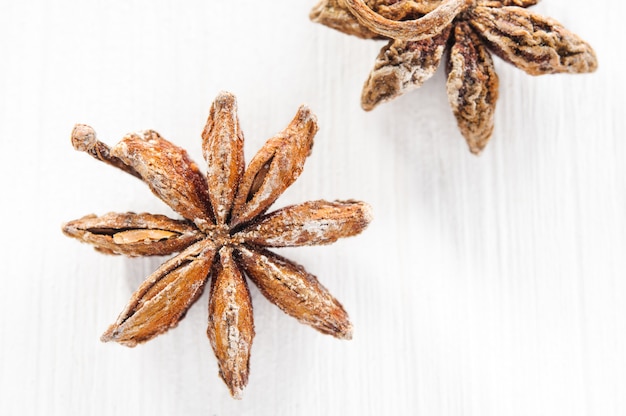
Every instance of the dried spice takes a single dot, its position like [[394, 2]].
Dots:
[[224, 234], [419, 32]]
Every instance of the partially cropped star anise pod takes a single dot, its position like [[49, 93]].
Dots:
[[419, 32], [224, 234]]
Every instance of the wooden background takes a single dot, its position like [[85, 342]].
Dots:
[[487, 286]]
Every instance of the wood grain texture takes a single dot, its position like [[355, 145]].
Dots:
[[484, 286]]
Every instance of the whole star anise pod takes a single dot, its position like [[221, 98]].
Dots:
[[419, 32], [224, 234]]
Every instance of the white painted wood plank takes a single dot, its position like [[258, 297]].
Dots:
[[485, 286]]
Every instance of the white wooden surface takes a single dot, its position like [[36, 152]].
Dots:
[[485, 286]]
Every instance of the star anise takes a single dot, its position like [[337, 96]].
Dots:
[[224, 234], [419, 32]]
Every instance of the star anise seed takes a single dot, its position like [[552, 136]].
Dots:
[[419, 32], [223, 236]]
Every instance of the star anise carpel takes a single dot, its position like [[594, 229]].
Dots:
[[419, 33], [224, 235]]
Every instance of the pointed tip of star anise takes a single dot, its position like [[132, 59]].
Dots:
[[476, 151], [83, 137], [113, 335], [236, 392], [346, 332], [225, 98]]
